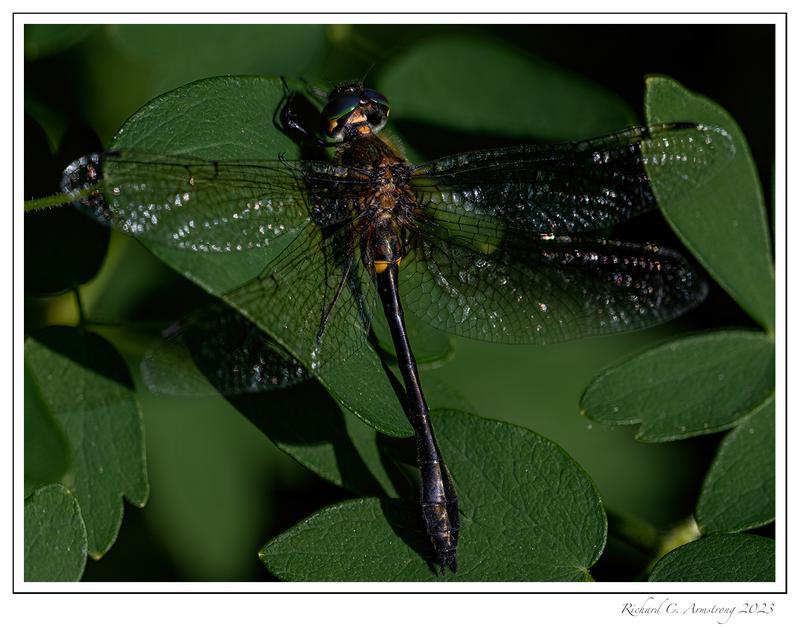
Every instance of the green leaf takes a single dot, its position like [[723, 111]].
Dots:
[[332, 443], [431, 347], [231, 118], [47, 451], [739, 490], [361, 385], [723, 222], [55, 538], [528, 512], [698, 384], [464, 78], [721, 557], [188, 52], [84, 385]]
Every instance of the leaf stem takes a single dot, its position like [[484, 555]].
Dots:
[[682, 533], [48, 202], [150, 325], [76, 290], [635, 532], [58, 200]]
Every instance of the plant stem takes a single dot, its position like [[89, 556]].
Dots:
[[150, 325], [58, 200], [635, 532], [79, 303], [682, 533]]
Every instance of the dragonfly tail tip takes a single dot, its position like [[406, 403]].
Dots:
[[448, 560]]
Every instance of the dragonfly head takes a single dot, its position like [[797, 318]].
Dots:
[[351, 110]]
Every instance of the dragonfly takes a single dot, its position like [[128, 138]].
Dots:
[[498, 245]]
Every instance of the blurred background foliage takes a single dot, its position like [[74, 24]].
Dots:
[[218, 488]]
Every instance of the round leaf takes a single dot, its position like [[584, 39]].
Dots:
[[723, 557], [528, 512], [55, 538]]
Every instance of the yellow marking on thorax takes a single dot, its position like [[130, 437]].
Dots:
[[383, 266]]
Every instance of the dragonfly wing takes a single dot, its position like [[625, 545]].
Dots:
[[554, 289], [227, 349], [208, 206], [572, 187], [314, 298]]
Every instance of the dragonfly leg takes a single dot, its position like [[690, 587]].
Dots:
[[290, 121], [329, 308]]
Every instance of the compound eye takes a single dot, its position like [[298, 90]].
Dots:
[[376, 97], [340, 106]]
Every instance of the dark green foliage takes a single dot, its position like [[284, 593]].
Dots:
[[485, 86], [84, 390], [739, 489], [719, 557], [55, 538], [714, 380], [698, 384], [726, 230], [42, 40], [53, 263], [515, 487], [529, 511]]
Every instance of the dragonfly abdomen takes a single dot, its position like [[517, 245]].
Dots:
[[438, 494], [440, 510]]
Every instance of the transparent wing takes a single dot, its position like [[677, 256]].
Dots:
[[315, 298], [572, 187], [545, 290], [212, 206]]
